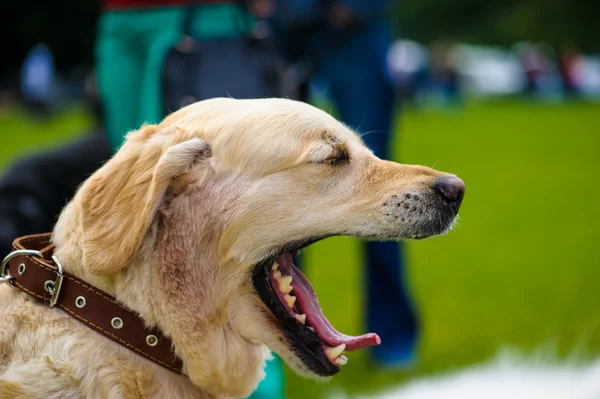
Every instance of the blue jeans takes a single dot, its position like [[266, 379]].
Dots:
[[365, 100]]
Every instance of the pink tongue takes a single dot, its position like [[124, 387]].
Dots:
[[307, 303]]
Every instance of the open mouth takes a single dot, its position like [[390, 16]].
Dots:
[[290, 297]]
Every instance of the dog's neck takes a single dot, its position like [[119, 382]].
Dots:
[[172, 283]]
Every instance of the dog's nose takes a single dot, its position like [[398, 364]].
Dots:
[[451, 189]]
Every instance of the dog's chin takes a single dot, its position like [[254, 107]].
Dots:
[[438, 223], [429, 225]]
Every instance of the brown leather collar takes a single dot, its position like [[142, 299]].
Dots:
[[33, 269]]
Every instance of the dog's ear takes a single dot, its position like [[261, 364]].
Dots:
[[119, 202]]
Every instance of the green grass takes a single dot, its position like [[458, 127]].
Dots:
[[22, 134], [522, 268]]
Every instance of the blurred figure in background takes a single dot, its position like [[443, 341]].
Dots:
[[345, 43], [134, 37], [534, 65], [568, 66], [407, 63], [444, 71], [38, 79]]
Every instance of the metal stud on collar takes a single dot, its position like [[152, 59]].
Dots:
[[80, 302], [116, 323], [151, 340]]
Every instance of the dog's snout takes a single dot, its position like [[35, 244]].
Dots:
[[451, 189]]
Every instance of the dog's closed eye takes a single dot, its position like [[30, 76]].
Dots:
[[339, 155], [330, 151]]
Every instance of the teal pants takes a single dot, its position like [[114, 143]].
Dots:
[[273, 386], [130, 50]]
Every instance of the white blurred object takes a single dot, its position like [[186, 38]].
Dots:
[[406, 57], [489, 70], [508, 377], [587, 73]]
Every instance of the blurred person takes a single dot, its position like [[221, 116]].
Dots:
[[134, 37], [345, 43], [444, 70], [133, 40], [38, 79], [407, 62], [534, 65], [568, 65]]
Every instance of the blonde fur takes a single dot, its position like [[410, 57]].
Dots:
[[172, 226]]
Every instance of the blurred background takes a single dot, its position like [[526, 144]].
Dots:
[[505, 94]]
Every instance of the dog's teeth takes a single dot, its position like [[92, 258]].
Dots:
[[311, 329], [275, 267], [287, 289], [340, 361], [290, 300], [285, 284], [333, 353], [301, 318]]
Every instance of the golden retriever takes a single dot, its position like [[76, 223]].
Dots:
[[193, 224]]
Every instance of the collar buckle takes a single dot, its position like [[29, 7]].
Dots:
[[52, 287], [5, 277]]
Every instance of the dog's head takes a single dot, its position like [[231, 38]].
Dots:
[[212, 203]]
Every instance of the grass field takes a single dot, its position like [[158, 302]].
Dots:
[[21, 134], [522, 268]]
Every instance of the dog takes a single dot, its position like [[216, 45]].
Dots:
[[193, 224]]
